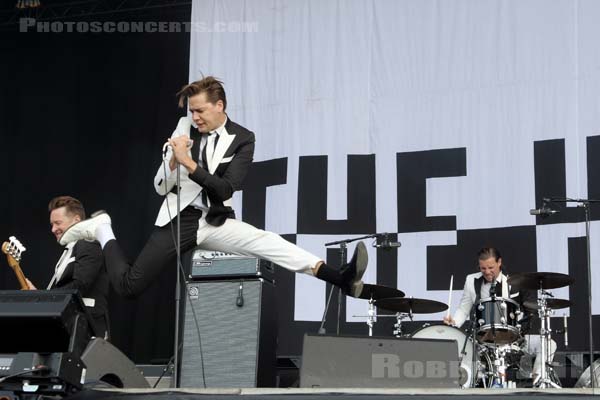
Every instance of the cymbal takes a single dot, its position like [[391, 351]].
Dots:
[[410, 304], [539, 280], [553, 304], [377, 292]]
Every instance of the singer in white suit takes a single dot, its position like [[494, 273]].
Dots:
[[211, 170]]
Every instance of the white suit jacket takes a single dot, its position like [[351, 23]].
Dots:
[[189, 189]]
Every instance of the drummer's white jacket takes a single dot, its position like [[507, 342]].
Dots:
[[469, 295]]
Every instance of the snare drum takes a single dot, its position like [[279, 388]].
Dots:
[[452, 333], [497, 320]]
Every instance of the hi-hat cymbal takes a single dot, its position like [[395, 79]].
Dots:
[[553, 304], [539, 280], [377, 292], [410, 304]]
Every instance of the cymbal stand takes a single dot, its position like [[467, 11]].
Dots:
[[545, 336]]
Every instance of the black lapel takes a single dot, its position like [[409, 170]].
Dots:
[[478, 283], [196, 137]]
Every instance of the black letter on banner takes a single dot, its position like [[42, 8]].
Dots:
[[312, 197], [550, 181], [261, 175], [578, 294], [593, 173], [517, 245], [413, 169]]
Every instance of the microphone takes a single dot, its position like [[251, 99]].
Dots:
[[543, 212], [493, 288], [385, 243], [389, 245]]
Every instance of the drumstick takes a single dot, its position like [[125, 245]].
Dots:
[[450, 296]]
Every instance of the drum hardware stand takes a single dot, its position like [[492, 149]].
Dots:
[[398, 325], [475, 353], [343, 260], [545, 336], [372, 318], [585, 204]]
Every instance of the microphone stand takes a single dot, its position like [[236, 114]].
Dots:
[[343, 259], [493, 308], [175, 382], [585, 203]]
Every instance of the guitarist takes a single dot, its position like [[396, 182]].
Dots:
[[81, 265]]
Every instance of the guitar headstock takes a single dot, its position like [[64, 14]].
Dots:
[[13, 250]]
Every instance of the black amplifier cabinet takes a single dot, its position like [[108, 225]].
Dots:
[[359, 362], [229, 334], [203, 264]]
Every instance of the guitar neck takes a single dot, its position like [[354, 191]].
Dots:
[[21, 277]]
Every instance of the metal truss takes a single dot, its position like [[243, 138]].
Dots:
[[82, 9]]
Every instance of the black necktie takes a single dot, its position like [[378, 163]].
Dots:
[[204, 159]]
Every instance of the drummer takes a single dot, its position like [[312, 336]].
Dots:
[[490, 275]]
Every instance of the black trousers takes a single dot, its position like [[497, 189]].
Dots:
[[158, 253]]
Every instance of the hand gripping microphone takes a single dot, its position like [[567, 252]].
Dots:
[[167, 146]]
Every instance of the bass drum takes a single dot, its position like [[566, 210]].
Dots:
[[466, 365]]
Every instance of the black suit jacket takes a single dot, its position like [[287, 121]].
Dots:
[[88, 275], [229, 175]]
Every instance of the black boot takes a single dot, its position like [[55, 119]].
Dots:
[[349, 276]]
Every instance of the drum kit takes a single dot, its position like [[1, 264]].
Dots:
[[493, 342]]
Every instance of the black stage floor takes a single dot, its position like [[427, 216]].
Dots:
[[338, 394]]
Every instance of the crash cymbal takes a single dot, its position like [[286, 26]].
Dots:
[[377, 292], [410, 304], [553, 304], [539, 280]]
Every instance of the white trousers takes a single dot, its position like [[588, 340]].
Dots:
[[241, 238], [533, 345]]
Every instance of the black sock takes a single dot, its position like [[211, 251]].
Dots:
[[331, 275]]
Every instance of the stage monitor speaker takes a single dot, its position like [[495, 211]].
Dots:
[[43, 321], [105, 363], [367, 362], [229, 334]]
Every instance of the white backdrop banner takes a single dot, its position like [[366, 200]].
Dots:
[[467, 113]]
